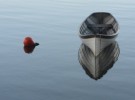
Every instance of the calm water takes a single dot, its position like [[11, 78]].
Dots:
[[52, 71]]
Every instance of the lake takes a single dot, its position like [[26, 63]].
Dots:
[[52, 71]]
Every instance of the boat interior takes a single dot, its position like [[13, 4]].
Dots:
[[99, 23]]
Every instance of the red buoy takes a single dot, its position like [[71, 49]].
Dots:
[[28, 41]]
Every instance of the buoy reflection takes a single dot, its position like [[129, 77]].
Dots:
[[29, 49]]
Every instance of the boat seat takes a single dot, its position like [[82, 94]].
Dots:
[[101, 25], [100, 28]]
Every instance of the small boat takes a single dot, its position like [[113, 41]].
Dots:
[[97, 66], [98, 31]]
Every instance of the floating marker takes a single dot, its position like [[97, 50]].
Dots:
[[29, 42]]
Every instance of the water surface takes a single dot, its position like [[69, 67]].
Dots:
[[52, 71]]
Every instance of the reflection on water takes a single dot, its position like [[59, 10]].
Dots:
[[28, 49], [97, 66]]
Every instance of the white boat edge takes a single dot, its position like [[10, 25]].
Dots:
[[97, 44]]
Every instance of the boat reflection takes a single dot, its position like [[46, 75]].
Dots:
[[97, 66]]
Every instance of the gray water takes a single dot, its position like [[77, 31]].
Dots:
[[52, 71]]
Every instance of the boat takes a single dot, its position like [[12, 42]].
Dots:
[[98, 31], [97, 66]]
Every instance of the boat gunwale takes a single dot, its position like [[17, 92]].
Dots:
[[98, 36]]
